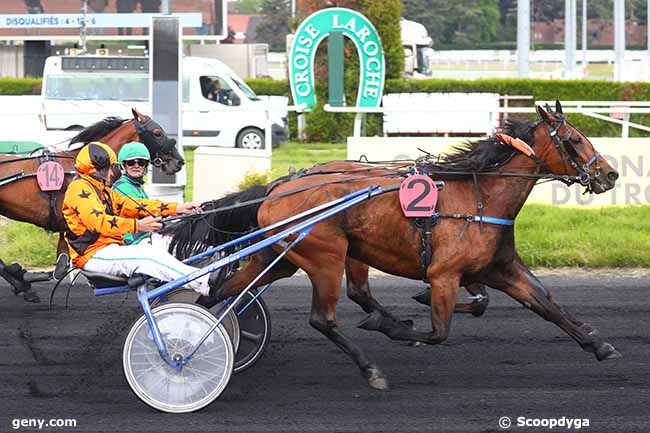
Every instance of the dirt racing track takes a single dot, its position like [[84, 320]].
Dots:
[[68, 364]]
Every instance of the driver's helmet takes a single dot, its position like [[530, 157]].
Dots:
[[133, 150]]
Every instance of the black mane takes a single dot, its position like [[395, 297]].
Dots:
[[197, 233], [479, 156], [97, 130]]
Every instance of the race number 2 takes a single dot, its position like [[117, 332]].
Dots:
[[418, 196], [50, 176]]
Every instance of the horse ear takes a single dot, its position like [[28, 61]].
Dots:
[[136, 114], [543, 114], [558, 107]]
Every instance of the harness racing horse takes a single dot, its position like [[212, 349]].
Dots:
[[21, 198], [466, 248]]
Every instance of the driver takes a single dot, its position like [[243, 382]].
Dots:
[[97, 218], [134, 158]]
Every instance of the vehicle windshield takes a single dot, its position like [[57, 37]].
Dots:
[[106, 87], [244, 88], [424, 59]]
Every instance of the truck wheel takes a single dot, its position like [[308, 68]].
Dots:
[[250, 138]]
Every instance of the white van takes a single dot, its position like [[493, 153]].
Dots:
[[219, 109]]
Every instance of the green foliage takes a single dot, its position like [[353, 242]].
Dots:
[[461, 23], [385, 16], [246, 7], [254, 178], [20, 86], [274, 27], [269, 86], [27, 244]]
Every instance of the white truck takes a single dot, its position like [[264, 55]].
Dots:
[[80, 90], [417, 49]]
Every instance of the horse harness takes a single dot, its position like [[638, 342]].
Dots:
[[46, 156]]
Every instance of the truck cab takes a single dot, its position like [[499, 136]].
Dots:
[[218, 108], [417, 49]]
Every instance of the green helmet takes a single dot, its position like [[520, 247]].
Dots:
[[133, 150]]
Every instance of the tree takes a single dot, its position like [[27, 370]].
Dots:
[[275, 24], [385, 16], [461, 23]]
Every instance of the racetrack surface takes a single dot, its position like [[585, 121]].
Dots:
[[67, 364]]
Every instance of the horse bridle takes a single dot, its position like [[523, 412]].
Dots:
[[145, 132], [567, 151]]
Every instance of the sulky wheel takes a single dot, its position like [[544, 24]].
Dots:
[[196, 384], [255, 326], [230, 322]]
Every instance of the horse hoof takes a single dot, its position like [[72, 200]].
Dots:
[[30, 296], [377, 380], [478, 308], [607, 351], [372, 322]]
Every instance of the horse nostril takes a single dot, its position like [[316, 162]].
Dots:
[[612, 176], [182, 163]]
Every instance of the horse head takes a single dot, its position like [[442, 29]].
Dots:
[[164, 153], [568, 152]]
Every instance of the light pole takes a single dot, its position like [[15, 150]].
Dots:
[[523, 36], [584, 35], [619, 38]]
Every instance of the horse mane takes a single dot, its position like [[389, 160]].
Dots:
[[97, 130], [196, 233], [480, 155]]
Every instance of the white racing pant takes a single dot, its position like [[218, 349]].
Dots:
[[144, 258]]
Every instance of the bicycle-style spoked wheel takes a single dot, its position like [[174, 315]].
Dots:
[[200, 381], [255, 328], [189, 296]]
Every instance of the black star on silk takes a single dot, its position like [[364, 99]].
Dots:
[[76, 211], [84, 194], [96, 212], [113, 222], [142, 207], [119, 207], [163, 207]]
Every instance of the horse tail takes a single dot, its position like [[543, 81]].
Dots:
[[199, 232]]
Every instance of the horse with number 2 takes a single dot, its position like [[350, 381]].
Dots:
[[178, 357]]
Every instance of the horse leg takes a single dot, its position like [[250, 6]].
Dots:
[[15, 275], [358, 290], [516, 280], [445, 287], [326, 281], [476, 308], [480, 300]]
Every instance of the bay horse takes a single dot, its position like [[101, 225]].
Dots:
[[21, 198], [377, 233]]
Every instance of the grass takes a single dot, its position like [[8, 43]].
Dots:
[[545, 235], [27, 244], [609, 236]]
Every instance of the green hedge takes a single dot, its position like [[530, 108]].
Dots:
[[20, 86]]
